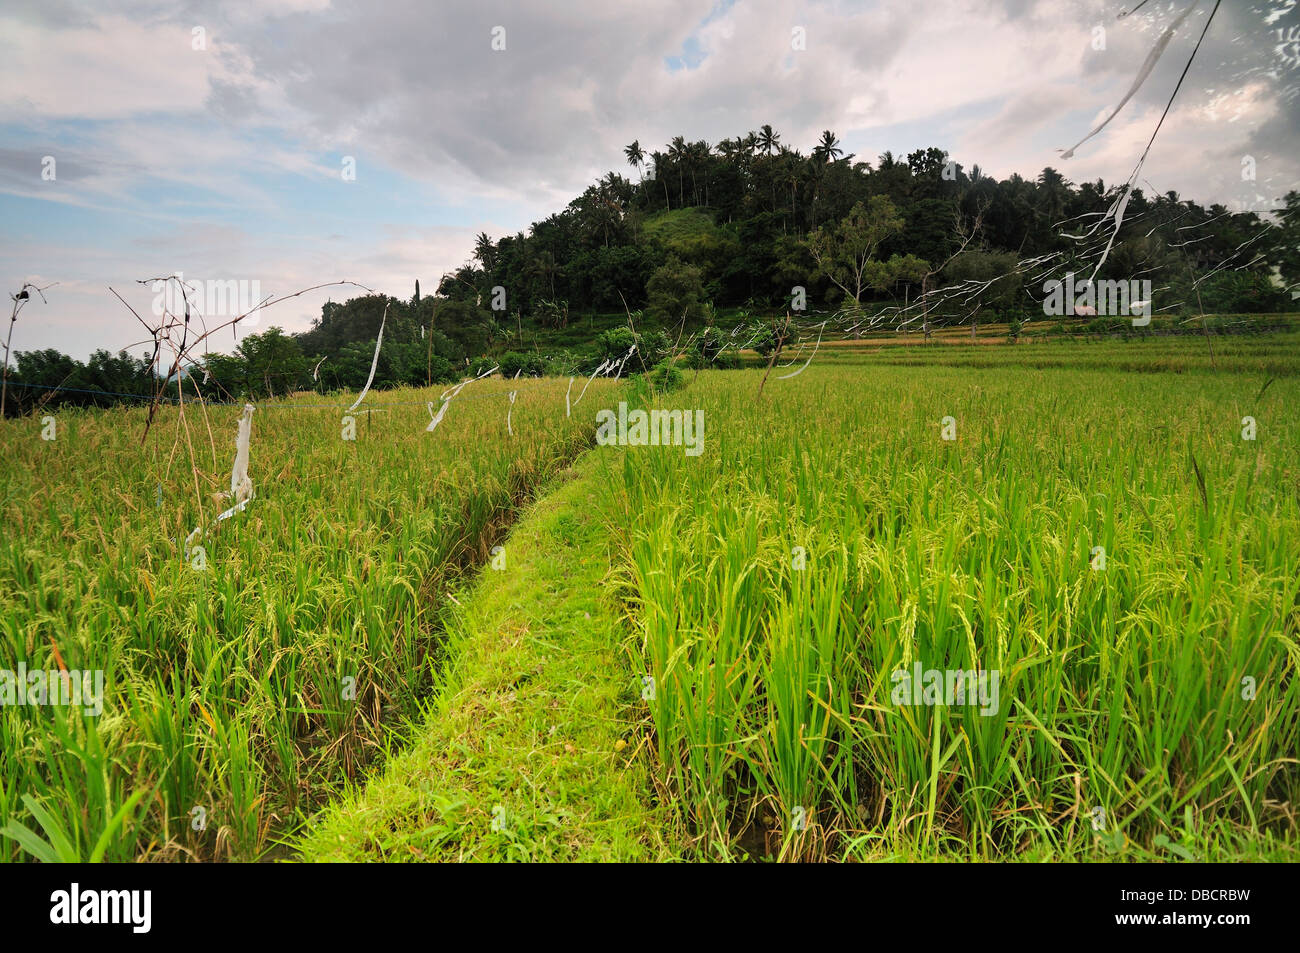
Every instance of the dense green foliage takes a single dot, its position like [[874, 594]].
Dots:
[[707, 229], [745, 214]]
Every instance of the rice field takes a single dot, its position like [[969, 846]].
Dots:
[[1006, 603], [1146, 703], [248, 675]]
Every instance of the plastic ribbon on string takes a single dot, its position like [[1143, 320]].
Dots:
[[447, 396], [511, 409], [1147, 66], [436, 418], [374, 362], [241, 485]]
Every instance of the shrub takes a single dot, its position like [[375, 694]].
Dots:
[[655, 347], [708, 349], [613, 344], [676, 290], [522, 363], [666, 376]]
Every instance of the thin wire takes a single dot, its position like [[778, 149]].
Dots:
[[1178, 86], [1126, 13], [80, 390], [240, 403]]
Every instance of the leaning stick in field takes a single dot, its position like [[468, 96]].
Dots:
[[776, 351], [20, 299], [170, 322]]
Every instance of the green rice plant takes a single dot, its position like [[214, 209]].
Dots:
[[241, 695], [1144, 692]]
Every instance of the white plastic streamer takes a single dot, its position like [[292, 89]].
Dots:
[[436, 418], [1120, 205], [373, 363], [618, 368], [511, 409], [604, 365], [1116, 211], [241, 485], [1151, 60], [453, 391], [784, 377], [447, 395]]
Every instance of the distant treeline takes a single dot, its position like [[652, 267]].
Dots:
[[721, 234], [335, 355]]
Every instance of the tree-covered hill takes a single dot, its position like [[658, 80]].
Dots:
[[701, 235]]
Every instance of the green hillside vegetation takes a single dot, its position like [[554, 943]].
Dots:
[[720, 235]]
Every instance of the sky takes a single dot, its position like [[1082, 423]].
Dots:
[[290, 143]]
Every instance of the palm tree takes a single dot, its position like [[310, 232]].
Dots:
[[767, 139], [602, 207], [635, 157], [828, 149], [677, 152], [742, 155], [698, 154], [793, 165], [746, 146], [1054, 193], [660, 163], [540, 265], [484, 250]]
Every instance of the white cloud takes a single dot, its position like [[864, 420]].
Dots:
[[115, 68], [142, 123]]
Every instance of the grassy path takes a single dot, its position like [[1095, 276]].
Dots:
[[528, 749]]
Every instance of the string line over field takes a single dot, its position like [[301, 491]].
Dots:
[[261, 406]]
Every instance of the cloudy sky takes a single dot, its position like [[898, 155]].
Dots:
[[214, 140]]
